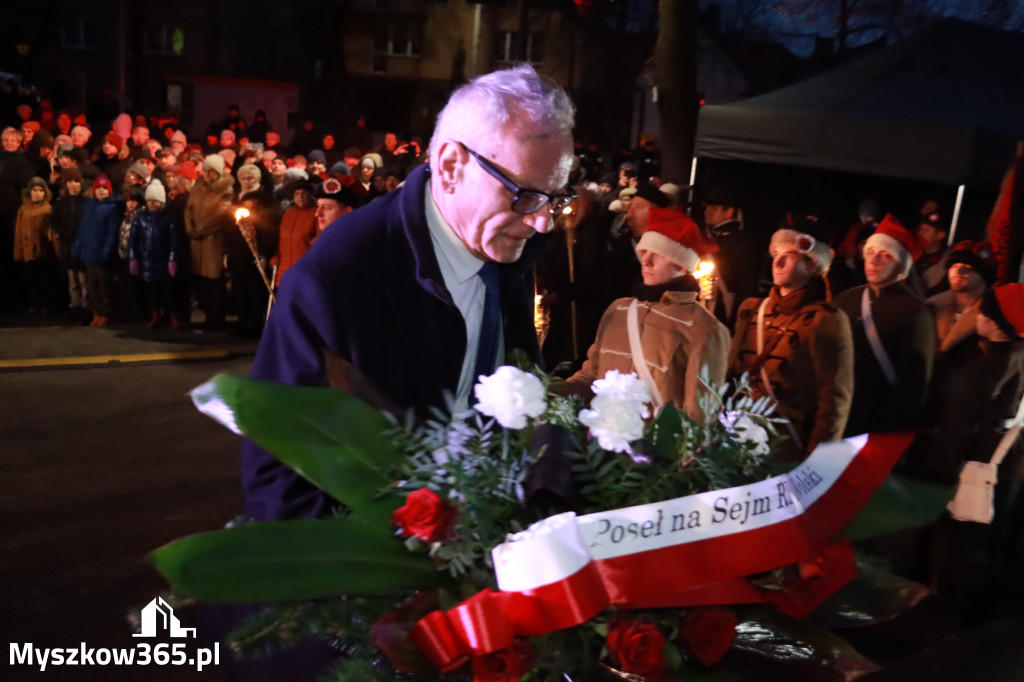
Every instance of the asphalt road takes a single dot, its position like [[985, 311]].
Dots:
[[100, 465]]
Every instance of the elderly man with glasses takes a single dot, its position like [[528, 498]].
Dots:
[[409, 299]]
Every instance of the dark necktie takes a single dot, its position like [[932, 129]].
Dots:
[[490, 324]]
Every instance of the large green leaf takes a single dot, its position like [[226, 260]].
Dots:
[[900, 503], [294, 560], [874, 596], [665, 430], [330, 437]]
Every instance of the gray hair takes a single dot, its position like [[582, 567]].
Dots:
[[513, 100], [249, 169], [10, 130]]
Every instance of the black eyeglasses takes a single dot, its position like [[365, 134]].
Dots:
[[525, 201]]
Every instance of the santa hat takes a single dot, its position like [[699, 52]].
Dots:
[[673, 235], [787, 240], [980, 256], [891, 236], [1004, 305], [155, 192], [103, 181]]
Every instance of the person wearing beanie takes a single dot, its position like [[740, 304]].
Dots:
[[739, 258], [894, 336], [971, 272], [80, 136], [979, 565], [96, 248], [178, 143], [32, 246], [66, 221], [796, 346], [208, 218], [678, 338], [156, 245]]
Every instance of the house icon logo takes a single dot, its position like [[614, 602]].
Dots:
[[159, 613]]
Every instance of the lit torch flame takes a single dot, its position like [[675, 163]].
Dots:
[[704, 268], [241, 213]]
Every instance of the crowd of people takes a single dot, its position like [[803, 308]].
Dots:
[[131, 221], [879, 327]]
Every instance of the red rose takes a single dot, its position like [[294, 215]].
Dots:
[[638, 647], [424, 515], [706, 633], [507, 665]]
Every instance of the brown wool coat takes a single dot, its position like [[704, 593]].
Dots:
[[810, 363], [679, 337], [31, 230], [207, 215]]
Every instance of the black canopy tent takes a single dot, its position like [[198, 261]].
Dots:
[[945, 106]]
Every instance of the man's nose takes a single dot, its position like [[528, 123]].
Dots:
[[542, 221]]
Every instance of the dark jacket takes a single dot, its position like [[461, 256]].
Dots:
[[979, 399], [15, 172], [738, 263], [156, 240], [907, 331], [96, 243], [370, 291]]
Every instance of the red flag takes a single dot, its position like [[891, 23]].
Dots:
[[1003, 229]]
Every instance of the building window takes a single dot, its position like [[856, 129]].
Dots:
[[165, 40], [394, 40], [506, 48], [80, 34]]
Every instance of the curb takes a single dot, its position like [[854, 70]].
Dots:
[[108, 360]]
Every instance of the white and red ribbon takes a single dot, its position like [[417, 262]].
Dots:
[[688, 551]]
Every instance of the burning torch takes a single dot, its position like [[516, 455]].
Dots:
[[705, 276], [249, 234]]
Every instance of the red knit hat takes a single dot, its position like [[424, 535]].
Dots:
[[891, 236], [670, 233], [188, 170], [102, 181], [114, 139], [1010, 298]]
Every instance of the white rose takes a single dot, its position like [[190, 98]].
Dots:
[[510, 395], [615, 421]]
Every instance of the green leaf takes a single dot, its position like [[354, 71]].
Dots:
[[331, 438], [898, 504], [874, 596], [293, 560], [665, 430]]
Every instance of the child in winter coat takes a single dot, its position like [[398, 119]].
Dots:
[[32, 245], [96, 247], [130, 290], [66, 219], [156, 241]]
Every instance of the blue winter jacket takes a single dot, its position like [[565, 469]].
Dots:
[[96, 241]]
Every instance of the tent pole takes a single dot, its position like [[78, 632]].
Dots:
[[693, 181], [956, 215]]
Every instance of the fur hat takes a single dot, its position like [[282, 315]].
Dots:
[[672, 234], [786, 240], [155, 192], [102, 181], [891, 236], [980, 256], [648, 191], [36, 182], [1004, 305], [214, 162]]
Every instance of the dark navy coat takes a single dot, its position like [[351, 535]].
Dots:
[[96, 242], [370, 291]]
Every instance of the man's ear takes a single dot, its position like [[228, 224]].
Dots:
[[451, 162]]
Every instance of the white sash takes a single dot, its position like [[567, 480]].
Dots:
[[876, 343], [637, 350]]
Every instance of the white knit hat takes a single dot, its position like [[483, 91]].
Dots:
[[214, 161], [155, 192]]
